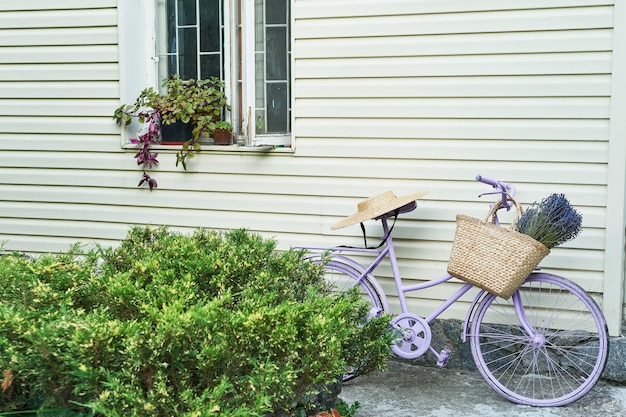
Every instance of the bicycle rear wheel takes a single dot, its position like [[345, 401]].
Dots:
[[341, 277], [555, 361]]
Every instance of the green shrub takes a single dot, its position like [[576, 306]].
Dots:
[[168, 324]]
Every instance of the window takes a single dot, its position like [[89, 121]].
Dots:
[[246, 43]]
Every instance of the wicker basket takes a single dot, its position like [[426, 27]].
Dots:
[[496, 259]]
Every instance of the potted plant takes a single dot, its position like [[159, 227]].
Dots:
[[196, 104], [223, 133]]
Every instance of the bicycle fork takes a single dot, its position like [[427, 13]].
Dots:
[[537, 339]]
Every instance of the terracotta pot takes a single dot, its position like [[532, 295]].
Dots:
[[222, 137]]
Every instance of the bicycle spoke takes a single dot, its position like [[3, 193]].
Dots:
[[559, 361]]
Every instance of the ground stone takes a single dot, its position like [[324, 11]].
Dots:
[[615, 369], [447, 334]]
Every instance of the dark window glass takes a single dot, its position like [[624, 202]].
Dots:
[[277, 108], [210, 26], [210, 66], [171, 27], [172, 65], [186, 12], [275, 12], [276, 51], [188, 56]]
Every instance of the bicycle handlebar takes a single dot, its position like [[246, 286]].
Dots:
[[505, 189]]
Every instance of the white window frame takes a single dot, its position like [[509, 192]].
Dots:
[[139, 65]]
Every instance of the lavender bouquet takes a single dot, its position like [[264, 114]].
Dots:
[[552, 222]]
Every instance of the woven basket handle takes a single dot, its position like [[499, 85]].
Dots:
[[497, 205]]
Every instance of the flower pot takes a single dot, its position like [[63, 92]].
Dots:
[[222, 137], [177, 133]]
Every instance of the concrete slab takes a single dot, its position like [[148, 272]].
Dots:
[[407, 390]]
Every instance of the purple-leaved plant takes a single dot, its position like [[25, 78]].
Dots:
[[145, 158]]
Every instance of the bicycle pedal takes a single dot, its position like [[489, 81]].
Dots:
[[443, 358]]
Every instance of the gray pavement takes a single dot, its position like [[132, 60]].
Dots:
[[407, 390]]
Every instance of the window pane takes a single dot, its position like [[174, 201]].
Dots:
[[210, 26], [272, 66], [186, 12], [210, 66], [259, 26], [188, 56], [276, 12], [277, 108], [171, 27], [172, 66], [259, 85], [276, 53]]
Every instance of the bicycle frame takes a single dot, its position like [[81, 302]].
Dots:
[[387, 250]]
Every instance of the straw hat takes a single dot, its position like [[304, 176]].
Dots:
[[377, 206]]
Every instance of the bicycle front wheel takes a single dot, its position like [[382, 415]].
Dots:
[[553, 360]]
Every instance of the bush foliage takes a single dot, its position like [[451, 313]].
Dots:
[[167, 324]]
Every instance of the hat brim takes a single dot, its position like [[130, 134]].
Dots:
[[376, 211]]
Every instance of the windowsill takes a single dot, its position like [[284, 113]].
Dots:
[[217, 148]]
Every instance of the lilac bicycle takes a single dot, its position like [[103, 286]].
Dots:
[[544, 346]]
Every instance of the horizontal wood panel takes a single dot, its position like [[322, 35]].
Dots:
[[176, 218], [60, 72], [346, 8], [485, 150], [59, 89], [56, 143], [56, 4], [458, 108], [462, 44], [58, 18], [471, 65], [62, 228], [52, 107], [22, 218], [54, 125], [407, 236], [511, 129], [295, 168], [591, 85], [89, 205], [451, 23], [59, 36], [339, 199], [49, 244], [58, 54]]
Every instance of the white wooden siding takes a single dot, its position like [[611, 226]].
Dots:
[[59, 81], [412, 95], [400, 94]]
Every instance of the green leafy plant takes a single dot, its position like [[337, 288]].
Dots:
[[553, 221], [224, 125], [199, 102], [169, 324]]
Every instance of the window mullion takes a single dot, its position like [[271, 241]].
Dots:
[[248, 70], [198, 34]]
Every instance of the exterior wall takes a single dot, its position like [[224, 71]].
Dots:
[[424, 95], [404, 95], [58, 147]]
